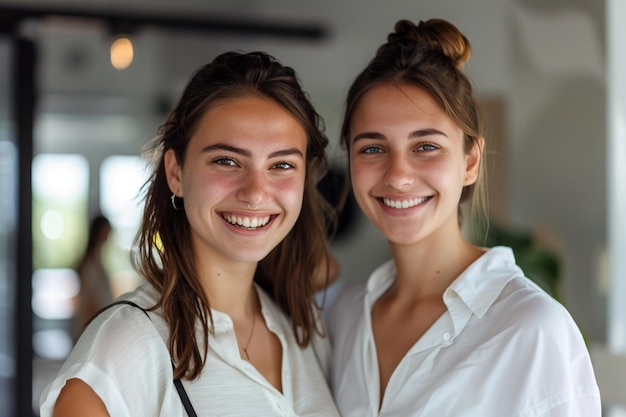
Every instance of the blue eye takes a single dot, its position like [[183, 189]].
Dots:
[[427, 147], [371, 149]]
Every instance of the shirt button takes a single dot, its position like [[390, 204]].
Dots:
[[452, 293], [447, 339]]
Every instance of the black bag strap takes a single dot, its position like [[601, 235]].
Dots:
[[184, 398]]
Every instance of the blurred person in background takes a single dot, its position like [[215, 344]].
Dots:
[[95, 288]]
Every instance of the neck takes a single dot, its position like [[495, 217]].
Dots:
[[229, 287], [427, 268]]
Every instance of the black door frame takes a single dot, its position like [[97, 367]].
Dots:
[[22, 112]]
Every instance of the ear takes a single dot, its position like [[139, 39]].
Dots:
[[473, 160], [173, 173]]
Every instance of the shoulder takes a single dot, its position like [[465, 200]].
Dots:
[[496, 287], [549, 350], [354, 293], [524, 297], [119, 352], [529, 310], [507, 302], [124, 330], [347, 307], [350, 295]]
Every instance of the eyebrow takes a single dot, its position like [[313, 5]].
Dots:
[[413, 135], [246, 153]]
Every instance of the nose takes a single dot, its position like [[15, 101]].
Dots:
[[398, 173], [253, 190]]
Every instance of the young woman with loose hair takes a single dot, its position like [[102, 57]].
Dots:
[[445, 328], [232, 245]]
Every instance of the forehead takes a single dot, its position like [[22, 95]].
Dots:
[[392, 104], [246, 106], [250, 120], [399, 95]]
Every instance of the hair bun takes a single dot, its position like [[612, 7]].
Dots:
[[436, 34]]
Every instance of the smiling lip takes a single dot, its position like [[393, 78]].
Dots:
[[247, 222], [403, 204]]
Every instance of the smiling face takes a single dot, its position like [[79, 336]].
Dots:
[[408, 164], [242, 179]]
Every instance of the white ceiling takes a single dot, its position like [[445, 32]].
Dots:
[[74, 64], [355, 28]]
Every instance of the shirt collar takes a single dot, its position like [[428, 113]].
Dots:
[[269, 310], [481, 283], [473, 292]]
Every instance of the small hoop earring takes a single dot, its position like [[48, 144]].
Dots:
[[176, 207], [253, 207]]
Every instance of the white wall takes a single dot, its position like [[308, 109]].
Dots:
[[558, 97]]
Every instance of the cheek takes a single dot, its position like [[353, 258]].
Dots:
[[203, 190], [290, 192], [363, 180], [357, 172], [445, 171]]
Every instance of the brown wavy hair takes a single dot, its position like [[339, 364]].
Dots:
[[431, 56], [163, 251]]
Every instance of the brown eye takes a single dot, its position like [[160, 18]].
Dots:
[[224, 160], [283, 165]]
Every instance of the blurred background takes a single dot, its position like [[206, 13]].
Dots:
[[75, 114]]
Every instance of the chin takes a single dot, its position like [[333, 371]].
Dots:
[[250, 256], [402, 240]]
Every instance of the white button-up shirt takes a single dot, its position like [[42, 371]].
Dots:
[[123, 357], [503, 348]]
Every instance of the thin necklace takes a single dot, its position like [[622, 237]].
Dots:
[[245, 348]]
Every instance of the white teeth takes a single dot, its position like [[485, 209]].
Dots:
[[247, 222], [403, 204]]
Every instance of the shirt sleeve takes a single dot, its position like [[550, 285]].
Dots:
[[124, 360], [560, 377]]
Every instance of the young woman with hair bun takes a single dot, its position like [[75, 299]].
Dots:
[[445, 328]]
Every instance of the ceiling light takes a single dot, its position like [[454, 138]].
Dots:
[[121, 52]]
